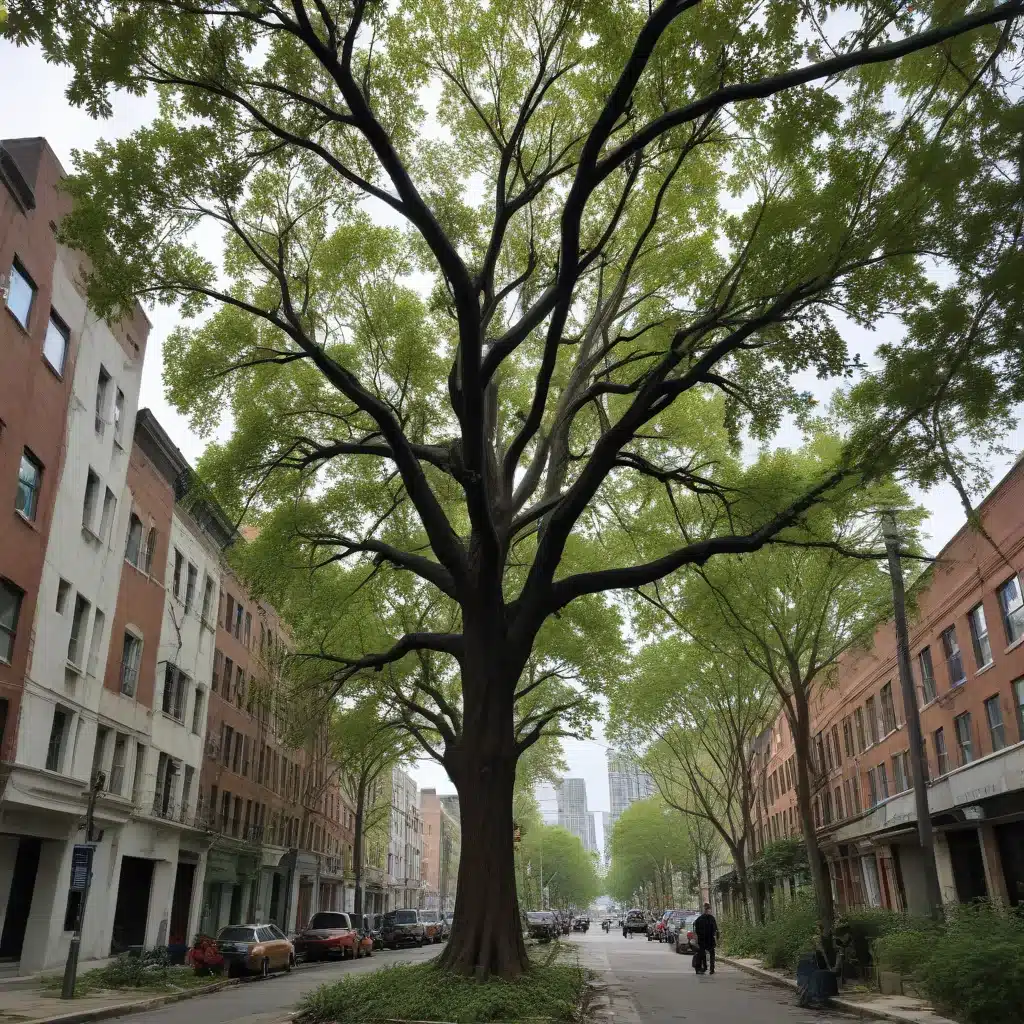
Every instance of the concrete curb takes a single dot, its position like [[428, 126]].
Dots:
[[136, 1006], [847, 1005]]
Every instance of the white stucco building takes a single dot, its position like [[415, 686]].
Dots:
[[405, 884]]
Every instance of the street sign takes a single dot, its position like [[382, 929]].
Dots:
[[81, 867]]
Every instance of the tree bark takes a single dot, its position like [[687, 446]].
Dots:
[[816, 863], [487, 932]]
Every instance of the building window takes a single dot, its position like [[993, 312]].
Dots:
[[21, 293], [96, 643], [847, 736], [941, 754], [207, 599], [901, 771], [166, 776], [173, 702], [63, 590], [965, 746], [92, 490], [858, 718], [197, 712], [248, 629], [76, 644], [30, 480], [131, 655], [218, 660], [58, 738], [872, 787], [954, 657], [835, 746], [888, 709], [118, 763], [1012, 605], [102, 395], [226, 733], [238, 621], [994, 714], [107, 519], [55, 344], [190, 586], [872, 717], [229, 668], [924, 662], [229, 612], [118, 417], [883, 782], [133, 551], [225, 810], [979, 636], [150, 551], [179, 564]]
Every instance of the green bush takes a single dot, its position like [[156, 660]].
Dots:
[[857, 931], [150, 970], [976, 975], [422, 992], [787, 932], [903, 951]]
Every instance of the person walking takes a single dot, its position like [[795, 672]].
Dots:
[[706, 930]]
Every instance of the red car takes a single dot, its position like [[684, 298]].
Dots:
[[331, 933]]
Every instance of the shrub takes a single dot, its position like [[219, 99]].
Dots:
[[903, 951], [857, 930], [977, 973], [422, 992]]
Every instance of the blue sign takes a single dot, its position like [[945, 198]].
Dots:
[[81, 867]]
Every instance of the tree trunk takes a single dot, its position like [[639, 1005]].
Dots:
[[357, 847], [816, 863], [487, 932], [743, 877]]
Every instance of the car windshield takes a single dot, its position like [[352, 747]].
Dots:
[[237, 934], [405, 916], [325, 920]]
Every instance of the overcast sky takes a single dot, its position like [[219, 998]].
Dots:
[[35, 105]]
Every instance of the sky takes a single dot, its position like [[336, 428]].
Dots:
[[36, 105]]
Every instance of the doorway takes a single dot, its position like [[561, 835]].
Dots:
[[181, 904], [1010, 838], [19, 901], [968, 866], [132, 908]]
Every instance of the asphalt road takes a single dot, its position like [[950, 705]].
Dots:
[[269, 1001], [649, 982]]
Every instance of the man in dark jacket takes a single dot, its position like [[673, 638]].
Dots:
[[706, 930]]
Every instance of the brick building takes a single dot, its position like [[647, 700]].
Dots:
[[967, 653]]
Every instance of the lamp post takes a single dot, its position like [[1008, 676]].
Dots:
[[925, 836]]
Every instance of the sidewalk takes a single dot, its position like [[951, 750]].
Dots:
[[902, 1009], [30, 1004]]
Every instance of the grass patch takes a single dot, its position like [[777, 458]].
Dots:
[[129, 972], [552, 990]]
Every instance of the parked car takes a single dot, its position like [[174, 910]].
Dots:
[[581, 924], [542, 925], [686, 940], [404, 928], [432, 925], [376, 929], [255, 949], [654, 927], [331, 933], [635, 921]]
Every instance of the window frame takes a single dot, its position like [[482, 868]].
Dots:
[[965, 750], [951, 650], [79, 629], [62, 331], [130, 634], [32, 488], [1013, 618], [18, 268], [887, 709], [924, 656], [941, 752], [989, 704], [103, 382], [9, 630], [58, 754], [980, 641]]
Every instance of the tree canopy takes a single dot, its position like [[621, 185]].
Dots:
[[569, 873], [495, 277]]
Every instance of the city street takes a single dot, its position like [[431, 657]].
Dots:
[[264, 1002], [649, 982]]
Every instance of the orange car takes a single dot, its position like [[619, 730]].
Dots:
[[331, 933], [252, 948]]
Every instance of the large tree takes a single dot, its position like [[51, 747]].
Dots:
[[485, 269], [556, 859]]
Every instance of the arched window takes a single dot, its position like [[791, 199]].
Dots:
[[134, 550], [150, 549]]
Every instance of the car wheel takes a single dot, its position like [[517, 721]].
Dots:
[[289, 963]]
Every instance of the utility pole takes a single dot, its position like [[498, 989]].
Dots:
[[81, 880], [924, 822]]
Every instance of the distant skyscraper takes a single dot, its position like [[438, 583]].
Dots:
[[572, 811], [626, 784]]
